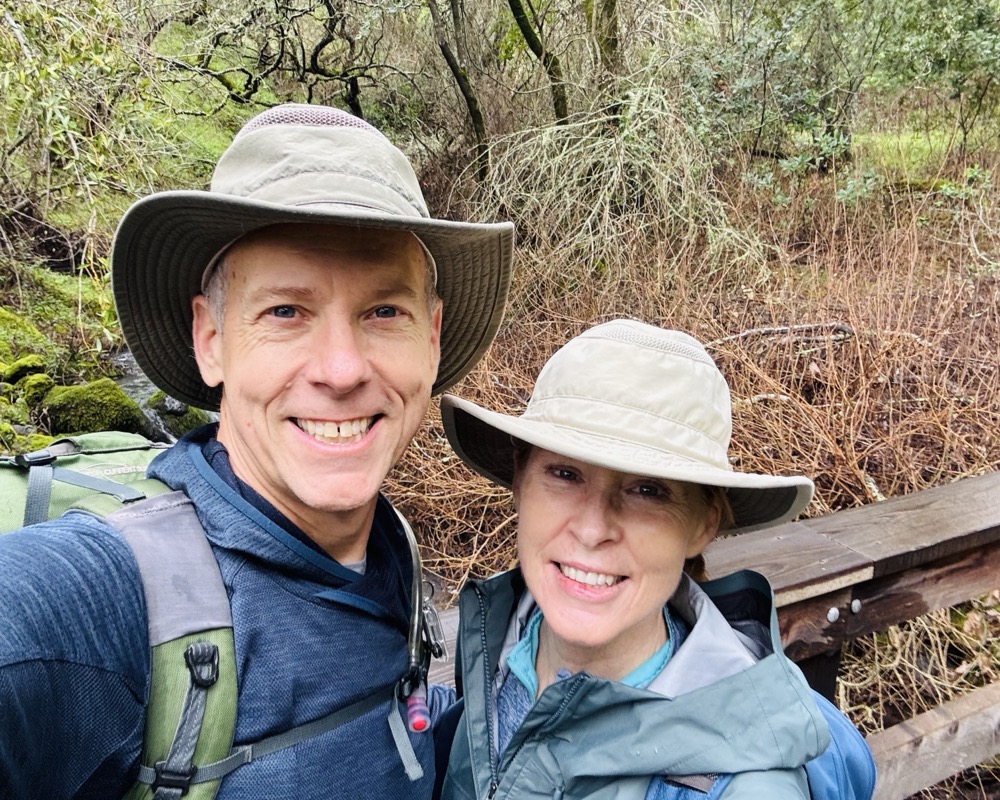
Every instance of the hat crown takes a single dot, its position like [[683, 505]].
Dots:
[[638, 386], [312, 156]]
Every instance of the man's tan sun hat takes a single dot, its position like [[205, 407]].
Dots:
[[632, 398], [296, 163]]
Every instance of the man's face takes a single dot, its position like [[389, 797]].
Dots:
[[327, 353]]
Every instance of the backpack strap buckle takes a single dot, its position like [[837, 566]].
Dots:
[[202, 659], [39, 458], [167, 778]]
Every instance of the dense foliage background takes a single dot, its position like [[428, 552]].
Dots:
[[808, 185]]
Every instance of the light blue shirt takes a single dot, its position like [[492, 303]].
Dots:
[[517, 696], [521, 658]]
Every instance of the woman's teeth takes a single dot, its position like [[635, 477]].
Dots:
[[589, 578]]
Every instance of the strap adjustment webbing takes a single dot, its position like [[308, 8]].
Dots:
[[244, 754], [173, 776]]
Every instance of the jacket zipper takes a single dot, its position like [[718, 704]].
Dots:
[[487, 683], [553, 721]]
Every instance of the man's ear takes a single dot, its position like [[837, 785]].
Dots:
[[206, 335], [436, 318]]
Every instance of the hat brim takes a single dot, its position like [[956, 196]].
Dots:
[[485, 440], [166, 240]]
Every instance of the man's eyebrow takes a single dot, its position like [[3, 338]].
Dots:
[[283, 293], [404, 290]]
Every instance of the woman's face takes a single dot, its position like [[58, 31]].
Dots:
[[602, 551]]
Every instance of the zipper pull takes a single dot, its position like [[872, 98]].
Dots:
[[493, 790]]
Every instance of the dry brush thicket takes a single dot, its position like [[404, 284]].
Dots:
[[859, 339]]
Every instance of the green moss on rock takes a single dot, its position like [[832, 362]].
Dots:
[[34, 388], [13, 411], [12, 442], [177, 417], [23, 367], [97, 406], [18, 337]]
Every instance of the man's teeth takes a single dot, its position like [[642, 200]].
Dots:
[[589, 578], [344, 432]]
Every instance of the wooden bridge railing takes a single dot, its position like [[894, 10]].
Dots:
[[859, 571]]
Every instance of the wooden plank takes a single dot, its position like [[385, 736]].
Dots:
[[443, 670], [943, 583], [937, 744], [806, 627], [799, 562], [908, 531]]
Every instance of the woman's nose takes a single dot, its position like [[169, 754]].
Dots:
[[595, 522]]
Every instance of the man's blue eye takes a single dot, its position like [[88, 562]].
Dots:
[[285, 312], [385, 312]]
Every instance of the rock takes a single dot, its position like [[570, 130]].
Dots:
[[97, 406], [177, 417], [23, 367], [18, 336], [34, 388]]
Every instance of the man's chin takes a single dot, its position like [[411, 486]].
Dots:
[[338, 497]]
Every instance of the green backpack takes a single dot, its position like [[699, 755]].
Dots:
[[191, 710]]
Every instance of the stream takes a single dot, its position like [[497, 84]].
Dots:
[[137, 386]]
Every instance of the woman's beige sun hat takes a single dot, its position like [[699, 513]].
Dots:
[[634, 398], [296, 163]]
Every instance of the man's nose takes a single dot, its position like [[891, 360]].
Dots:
[[340, 357]]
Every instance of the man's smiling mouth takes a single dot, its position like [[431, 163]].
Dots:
[[589, 578], [346, 432]]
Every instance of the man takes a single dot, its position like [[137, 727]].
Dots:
[[310, 298]]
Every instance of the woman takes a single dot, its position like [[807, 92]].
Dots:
[[598, 668]]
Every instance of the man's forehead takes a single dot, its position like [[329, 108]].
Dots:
[[373, 242]]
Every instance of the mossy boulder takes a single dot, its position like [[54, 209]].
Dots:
[[97, 406], [17, 336], [8, 438], [14, 411], [34, 388], [23, 367], [177, 417], [13, 442]]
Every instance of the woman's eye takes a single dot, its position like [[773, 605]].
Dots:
[[285, 312], [563, 473], [386, 312], [651, 490]]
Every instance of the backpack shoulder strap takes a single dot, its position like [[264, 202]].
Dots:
[[846, 769], [191, 712], [191, 709], [116, 496]]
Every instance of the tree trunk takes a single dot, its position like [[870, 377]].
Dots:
[[549, 60], [461, 75]]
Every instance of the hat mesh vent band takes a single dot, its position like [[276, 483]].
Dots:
[[307, 115], [624, 333]]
